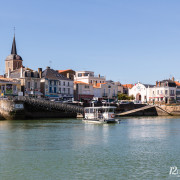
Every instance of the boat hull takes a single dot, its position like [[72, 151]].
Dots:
[[99, 121]]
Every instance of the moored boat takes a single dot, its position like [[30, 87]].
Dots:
[[103, 114]]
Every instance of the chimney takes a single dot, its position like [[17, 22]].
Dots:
[[40, 72], [21, 72], [172, 78], [99, 75], [47, 67], [9, 71], [159, 83], [94, 83], [156, 83]]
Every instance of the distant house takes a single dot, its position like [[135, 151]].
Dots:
[[30, 80], [164, 91], [83, 91], [107, 90], [140, 91], [55, 85], [94, 86], [89, 77], [177, 91], [126, 88], [69, 73], [9, 87]]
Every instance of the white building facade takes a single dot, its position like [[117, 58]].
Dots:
[[94, 85], [163, 92], [89, 77], [141, 92]]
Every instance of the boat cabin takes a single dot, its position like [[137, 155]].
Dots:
[[100, 113]]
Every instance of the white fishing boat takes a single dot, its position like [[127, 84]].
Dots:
[[103, 114]]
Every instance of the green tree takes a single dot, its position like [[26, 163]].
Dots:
[[125, 97]]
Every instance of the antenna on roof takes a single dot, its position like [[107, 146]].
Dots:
[[14, 30], [50, 63]]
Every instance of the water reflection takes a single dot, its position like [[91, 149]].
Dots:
[[150, 127]]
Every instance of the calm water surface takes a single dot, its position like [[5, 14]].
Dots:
[[137, 148]]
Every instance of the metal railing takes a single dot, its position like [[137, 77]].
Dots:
[[55, 105]]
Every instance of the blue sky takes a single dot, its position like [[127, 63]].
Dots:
[[127, 41]]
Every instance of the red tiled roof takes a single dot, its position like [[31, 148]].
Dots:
[[79, 82], [177, 83], [128, 85], [60, 71], [98, 85]]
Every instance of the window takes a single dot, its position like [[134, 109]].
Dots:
[[29, 84], [64, 83], [64, 90], [153, 92], [86, 86], [55, 83], [59, 82], [59, 90], [86, 74], [50, 89], [14, 88], [68, 90], [50, 82], [68, 83], [8, 64], [54, 89], [79, 74], [157, 91], [166, 92], [35, 85], [91, 82]]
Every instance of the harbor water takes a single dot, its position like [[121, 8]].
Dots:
[[55, 149]]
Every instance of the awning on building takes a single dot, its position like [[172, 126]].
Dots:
[[33, 93], [52, 95]]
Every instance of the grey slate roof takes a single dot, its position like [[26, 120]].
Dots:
[[13, 50], [54, 75], [148, 85], [14, 55]]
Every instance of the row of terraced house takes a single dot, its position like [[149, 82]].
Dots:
[[51, 83], [77, 85]]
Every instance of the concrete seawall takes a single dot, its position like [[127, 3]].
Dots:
[[19, 109], [10, 109]]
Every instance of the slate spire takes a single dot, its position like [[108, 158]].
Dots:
[[13, 50]]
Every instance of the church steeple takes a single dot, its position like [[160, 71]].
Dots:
[[13, 61], [13, 50]]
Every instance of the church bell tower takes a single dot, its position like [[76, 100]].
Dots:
[[13, 61]]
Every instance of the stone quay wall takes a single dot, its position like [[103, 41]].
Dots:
[[10, 109]]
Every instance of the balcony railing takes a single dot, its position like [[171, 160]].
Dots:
[[97, 76]]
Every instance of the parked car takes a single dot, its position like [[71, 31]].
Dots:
[[94, 101], [104, 101], [137, 102]]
